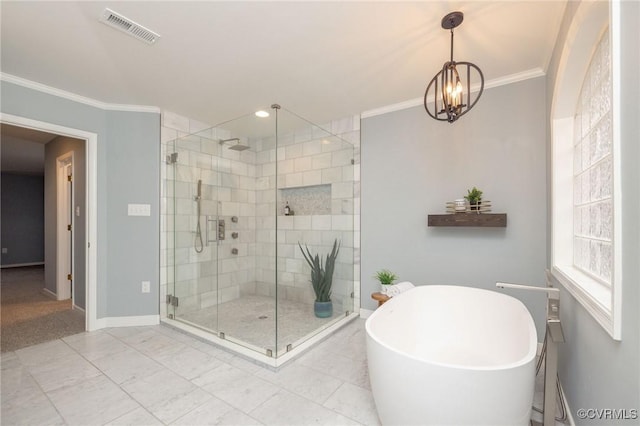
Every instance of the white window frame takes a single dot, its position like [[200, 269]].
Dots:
[[602, 302]]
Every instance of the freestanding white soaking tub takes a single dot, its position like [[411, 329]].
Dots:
[[449, 355]]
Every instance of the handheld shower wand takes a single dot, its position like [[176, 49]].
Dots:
[[198, 244]]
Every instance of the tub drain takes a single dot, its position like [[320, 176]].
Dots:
[[263, 317]]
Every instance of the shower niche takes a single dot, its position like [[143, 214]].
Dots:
[[234, 271]]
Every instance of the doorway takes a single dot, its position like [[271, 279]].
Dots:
[[81, 214]]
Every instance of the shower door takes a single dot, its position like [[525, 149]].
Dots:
[[246, 257], [197, 230]]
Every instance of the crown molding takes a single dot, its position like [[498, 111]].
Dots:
[[74, 97], [501, 81]]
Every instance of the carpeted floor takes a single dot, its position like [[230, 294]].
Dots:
[[27, 316]]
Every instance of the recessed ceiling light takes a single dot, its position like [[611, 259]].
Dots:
[[262, 114]]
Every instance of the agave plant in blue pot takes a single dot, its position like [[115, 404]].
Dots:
[[322, 279]]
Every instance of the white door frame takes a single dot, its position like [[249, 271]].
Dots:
[[64, 213], [91, 208]]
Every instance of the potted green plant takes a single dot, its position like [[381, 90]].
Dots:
[[386, 278], [474, 197], [322, 279]]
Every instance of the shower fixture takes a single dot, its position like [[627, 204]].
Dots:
[[172, 158], [235, 147], [197, 244]]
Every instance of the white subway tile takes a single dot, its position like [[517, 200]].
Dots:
[[292, 237], [286, 222], [302, 164], [312, 177], [342, 190], [342, 158], [269, 169], [293, 152], [312, 237], [332, 175], [312, 147], [321, 161], [342, 222], [320, 222], [238, 168], [263, 157], [293, 180], [262, 183], [285, 166], [293, 265], [222, 165], [302, 222], [224, 194], [230, 209]]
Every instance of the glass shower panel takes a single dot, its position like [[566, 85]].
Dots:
[[315, 211], [234, 262], [246, 279], [194, 297]]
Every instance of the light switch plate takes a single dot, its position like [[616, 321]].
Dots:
[[139, 209]]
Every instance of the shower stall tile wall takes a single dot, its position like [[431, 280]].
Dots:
[[233, 181]]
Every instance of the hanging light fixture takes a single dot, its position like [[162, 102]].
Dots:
[[449, 91]]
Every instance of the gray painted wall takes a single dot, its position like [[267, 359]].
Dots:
[[133, 156], [53, 150], [22, 231], [595, 370], [412, 165], [128, 154]]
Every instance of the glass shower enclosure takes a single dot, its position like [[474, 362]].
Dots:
[[242, 199]]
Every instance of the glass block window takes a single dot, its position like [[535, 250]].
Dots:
[[593, 170]]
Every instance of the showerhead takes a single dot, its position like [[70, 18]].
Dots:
[[238, 147], [235, 147]]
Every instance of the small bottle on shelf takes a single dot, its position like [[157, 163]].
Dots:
[[287, 210]]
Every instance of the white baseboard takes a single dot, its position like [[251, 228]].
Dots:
[[49, 293], [133, 321], [20, 265], [78, 308]]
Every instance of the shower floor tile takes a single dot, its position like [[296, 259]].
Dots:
[[252, 320]]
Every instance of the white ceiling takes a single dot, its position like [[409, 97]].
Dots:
[[218, 60], [22, 150]]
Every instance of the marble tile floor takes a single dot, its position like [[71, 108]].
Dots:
[[158, 376], [252, 319]]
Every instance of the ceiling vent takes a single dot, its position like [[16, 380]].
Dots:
[[126, 25]]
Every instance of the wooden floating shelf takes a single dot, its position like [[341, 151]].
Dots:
[[484, 220]]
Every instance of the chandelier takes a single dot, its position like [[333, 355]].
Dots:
[[449, 91]]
